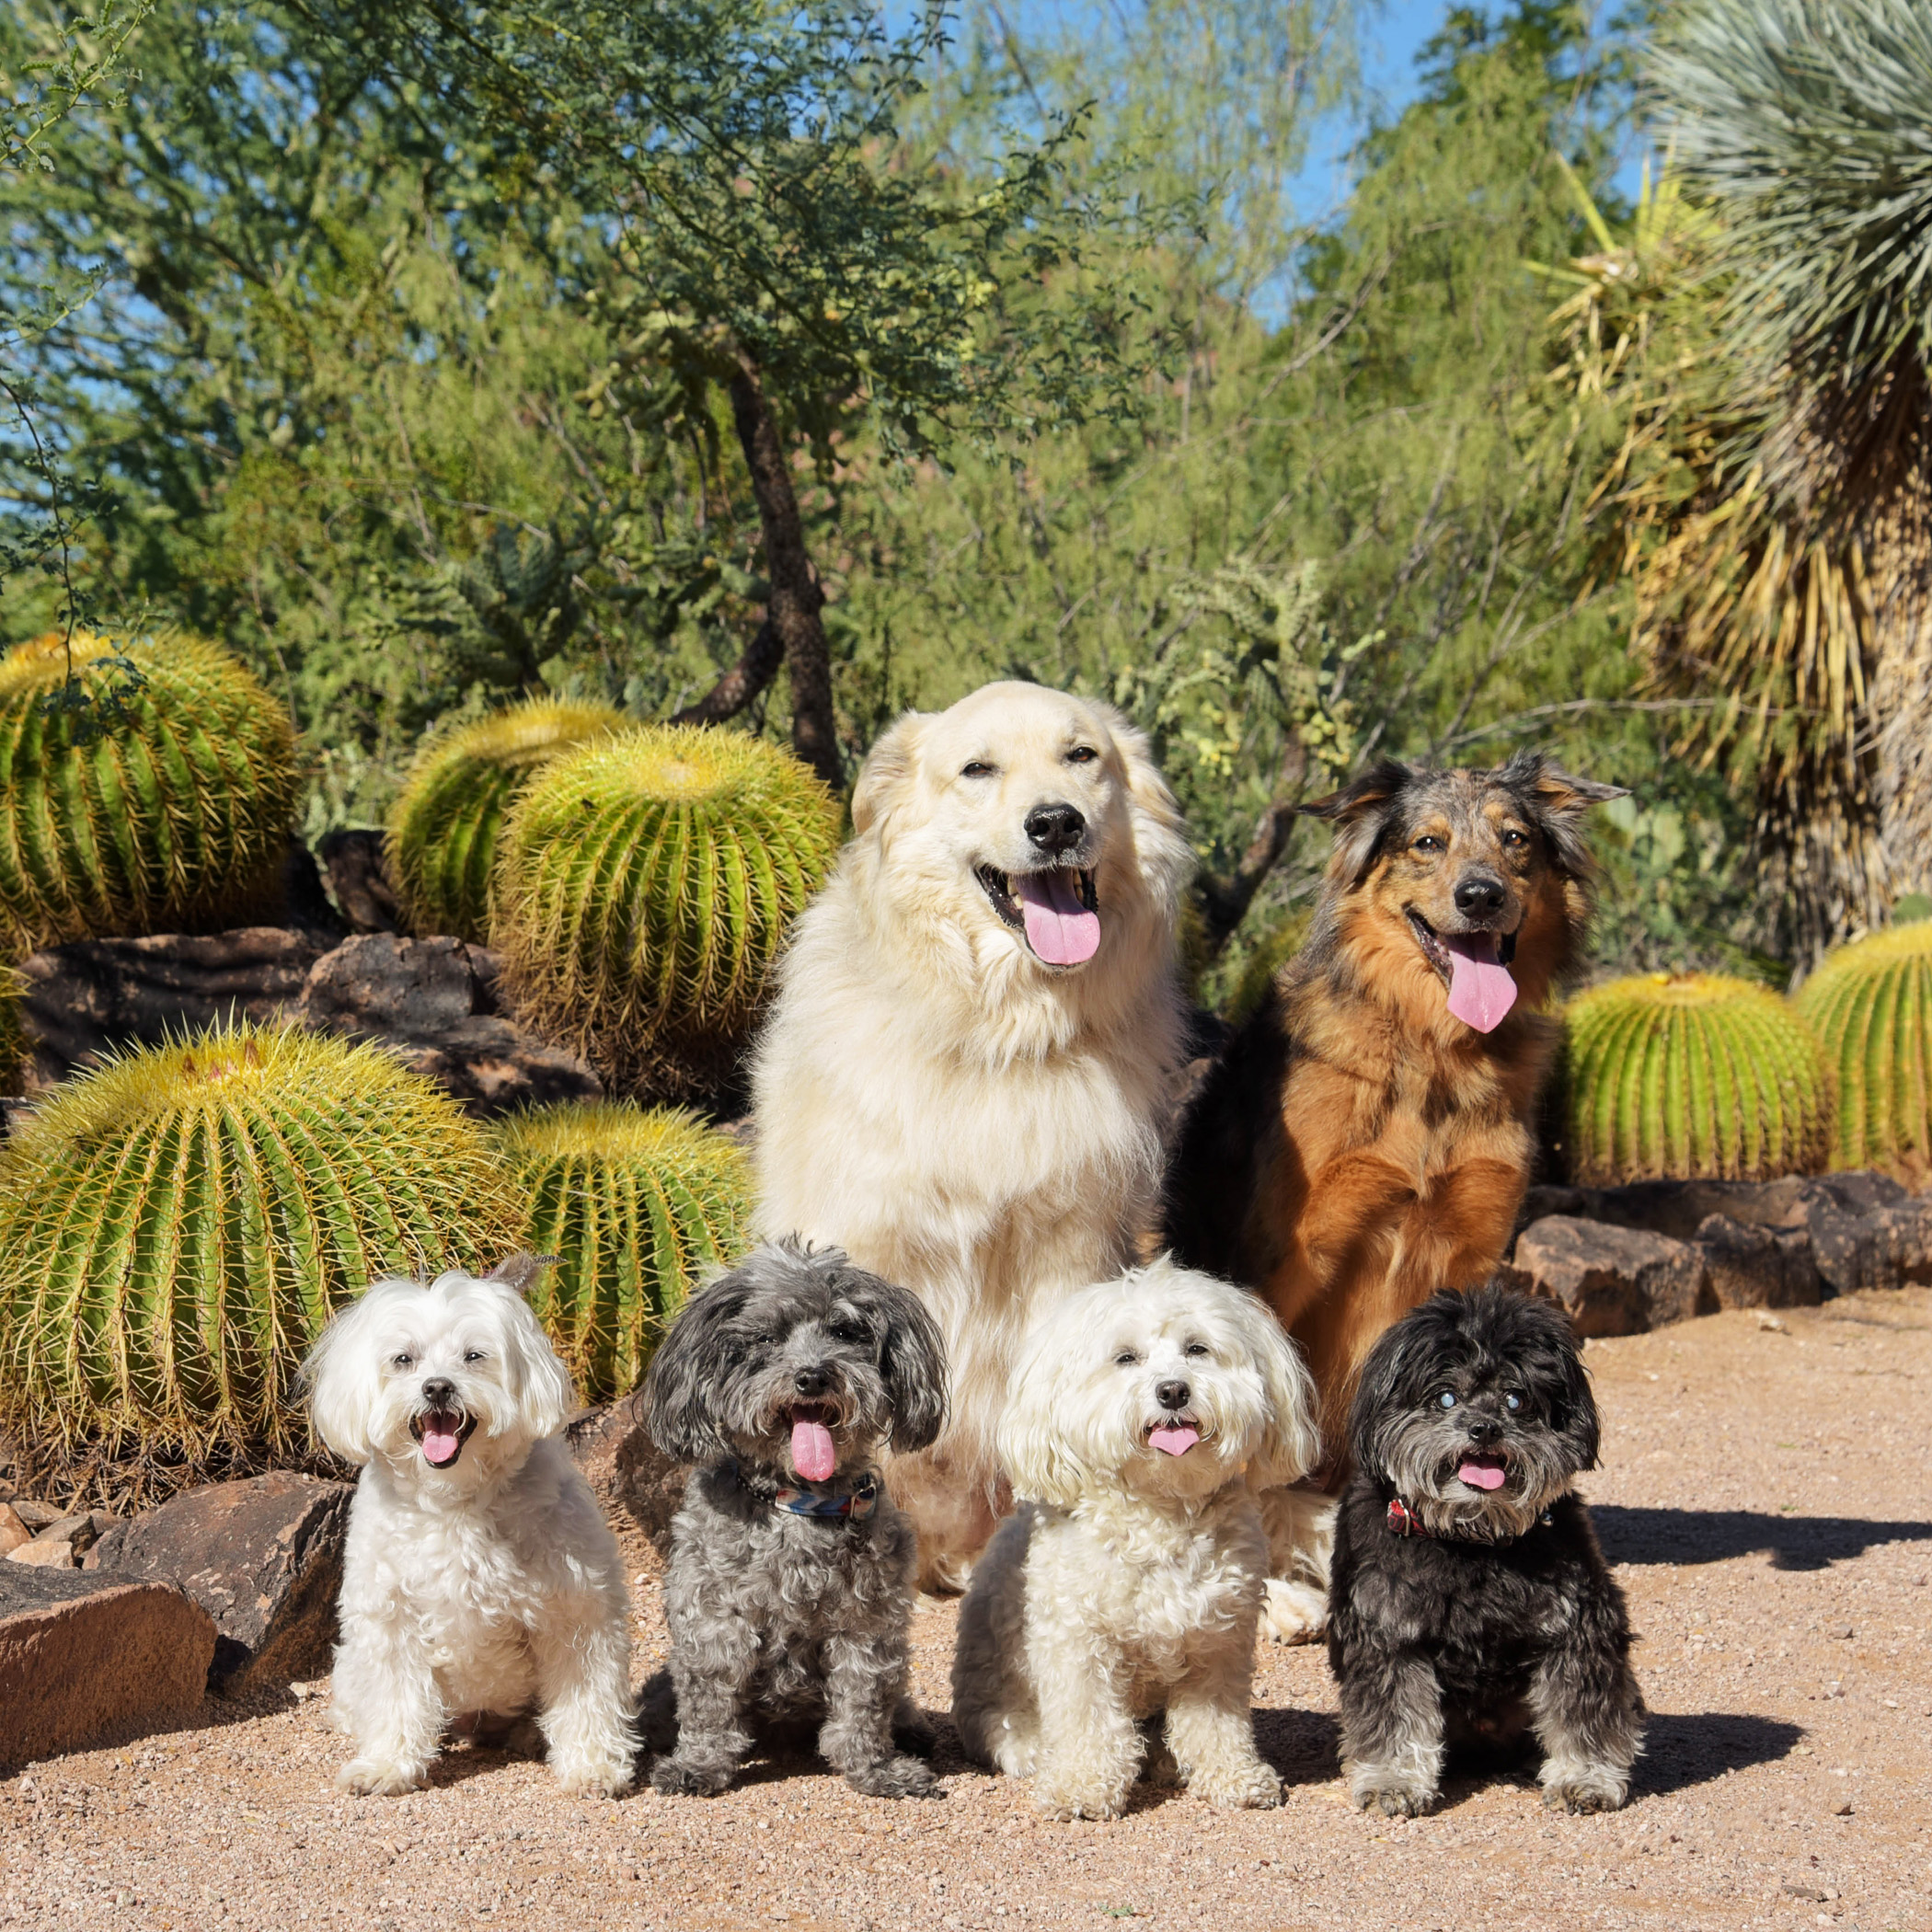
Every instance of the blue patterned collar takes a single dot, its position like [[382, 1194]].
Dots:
[[852, 1505]]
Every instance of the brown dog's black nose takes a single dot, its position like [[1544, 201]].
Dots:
[[1171, 1394], [1054, 828], [440, 1393], [811, 1382], [1478, 895]]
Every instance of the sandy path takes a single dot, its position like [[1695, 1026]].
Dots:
[[1764, 1497]]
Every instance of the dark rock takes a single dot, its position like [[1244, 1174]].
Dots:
[[1614, 1281], [262, 1557], [82, 1657], [95, 994], [434, 999], [1752, 1266], [630, 1475], [359, 880]]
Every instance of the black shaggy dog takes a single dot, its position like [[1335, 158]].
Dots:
[[1468, 1602], [789, 1588]]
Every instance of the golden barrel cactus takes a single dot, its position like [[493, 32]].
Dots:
[[1691, 1075]]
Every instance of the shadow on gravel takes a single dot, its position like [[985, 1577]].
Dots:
[[1632, 1535], [1303, 1745], [1685, 1748]]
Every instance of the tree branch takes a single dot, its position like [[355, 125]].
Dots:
[[740, 683]]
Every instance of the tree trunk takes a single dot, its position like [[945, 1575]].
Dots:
[[740, 683], [794, 598]]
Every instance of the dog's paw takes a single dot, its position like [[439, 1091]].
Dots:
[[1394, 1801], [680, 1777], [1252, 1788], [897, 1777], [1587, 1791], [594, 1777], [1293, 1613], [1064, 1802], [379, 1777]]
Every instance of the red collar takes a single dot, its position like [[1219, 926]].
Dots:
[[1404, 1522]]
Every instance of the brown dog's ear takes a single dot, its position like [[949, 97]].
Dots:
[[886, 772], [1558, 801], [518, 1271], [1359, 812]]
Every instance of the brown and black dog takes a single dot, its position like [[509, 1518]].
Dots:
[[1366, 1138]]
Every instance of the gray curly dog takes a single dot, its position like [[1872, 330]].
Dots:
[[790, 1589]]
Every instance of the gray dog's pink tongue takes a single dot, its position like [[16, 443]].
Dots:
[[1480, 989], [813, 1455], [1059, 928], [1483, 1474]]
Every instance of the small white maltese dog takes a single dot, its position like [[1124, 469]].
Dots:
[[480, 1583], [1145, 1414]]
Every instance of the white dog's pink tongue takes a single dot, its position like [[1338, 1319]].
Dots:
[[1059, 928], [439, 1445], [1480, 989], [813, 1455], [1174, 1438], [1482, 1476]]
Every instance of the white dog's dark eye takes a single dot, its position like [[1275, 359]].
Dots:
[[1197, 1348], [1512, 1401], [1082, 755], [1446, 1397], [470, 1356], [401, 1362], [975, 768], [1125, 1359]]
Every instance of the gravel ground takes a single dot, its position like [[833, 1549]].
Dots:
[[1763, 1496]]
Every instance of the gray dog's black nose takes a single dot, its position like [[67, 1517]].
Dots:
[[811, 1382], [438, 1394], [1054, 828], [1483, 1428], [1171, 1394], [1477, 895]]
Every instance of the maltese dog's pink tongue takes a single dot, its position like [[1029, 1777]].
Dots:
[[441, 1437], [1482, 1475], [813, 1455], [1480, 989], [1174, 1440], [1059, 928]]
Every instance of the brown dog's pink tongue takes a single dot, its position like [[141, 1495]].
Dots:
[[813, 1455], [1059, 928], [1480, 989]]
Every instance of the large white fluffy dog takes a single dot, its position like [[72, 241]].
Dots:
[[480, 1580], [965, 1078], [1146, 1414]]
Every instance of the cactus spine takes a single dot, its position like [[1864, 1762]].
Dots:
[[634, 1205], [164, 808], [1691, 1075], [1871, 1004], [442, 833], [644, 885], [176, 1226]]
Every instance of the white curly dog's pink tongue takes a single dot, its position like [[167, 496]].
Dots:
[[1174, 1438], [1480, 989], [813, 1455], [1059, 928], [439, 1445]]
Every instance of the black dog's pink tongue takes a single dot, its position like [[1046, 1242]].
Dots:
[[1480, 989], [1482, 1473], [441, 1437], [1059, 928], [812, 1454]]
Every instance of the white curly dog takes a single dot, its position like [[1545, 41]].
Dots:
[[1146, 1414], [481, 1585]]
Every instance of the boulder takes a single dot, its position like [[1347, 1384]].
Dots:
[[631, 1475], [1614, 1281], [434, 1000], [1753, 1267], [82, 1657], [357, 871], [263, 1558], [94, 994]]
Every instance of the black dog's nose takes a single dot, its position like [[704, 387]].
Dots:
[[1054, 828], [1171, 1394], [440, 1393], [1483, 1428], [811, 1382], [1478, 895]]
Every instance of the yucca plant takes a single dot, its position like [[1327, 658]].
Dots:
[[164, 805], [1871, 1005], [442, 832], [1791, 588], [634, 1205], [176, 1226], [644, 885], [1691, 1075]]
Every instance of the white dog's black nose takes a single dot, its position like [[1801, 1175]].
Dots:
[[811, 1382], [1054, 828], [438, 1394], [1172, 1394]]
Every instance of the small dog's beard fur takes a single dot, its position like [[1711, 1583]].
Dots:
[[1502, 1621], [1145, 1414], [480, 1582], [794, 1369]]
